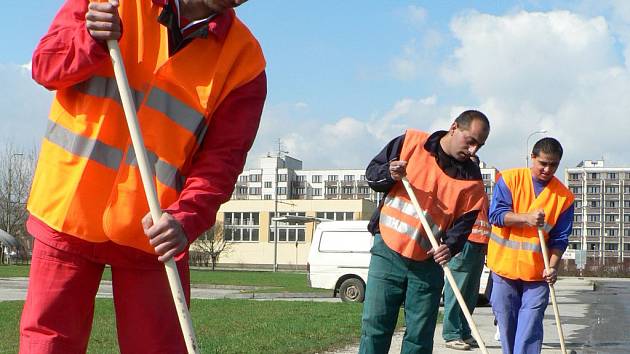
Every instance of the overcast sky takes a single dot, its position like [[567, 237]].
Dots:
[[345, 77]]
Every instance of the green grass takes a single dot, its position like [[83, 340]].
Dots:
[[230, 326], [267, 281], [13, 271]]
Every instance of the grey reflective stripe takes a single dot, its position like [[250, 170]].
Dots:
[[406, 229], [166, 173], [179, 112], [79, 145], [515, 245], [105, 87], [408, 209], [547, 228]]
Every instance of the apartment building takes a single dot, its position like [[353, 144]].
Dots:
[[333, 194], [602, 209]]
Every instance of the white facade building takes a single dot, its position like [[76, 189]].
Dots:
[[601, 224]]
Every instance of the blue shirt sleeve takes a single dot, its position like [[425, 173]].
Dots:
[[559, 235], [501, 203]]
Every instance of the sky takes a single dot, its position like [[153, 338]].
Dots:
[[346, 77]]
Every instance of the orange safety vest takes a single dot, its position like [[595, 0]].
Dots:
[[481, 229], [515, 252], [87, 182], [442, 198]]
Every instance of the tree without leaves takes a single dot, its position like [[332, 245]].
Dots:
[[16, 175], [211, 244]]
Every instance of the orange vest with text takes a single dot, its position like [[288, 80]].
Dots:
[[515, 252], [442, 198], [87, 182]]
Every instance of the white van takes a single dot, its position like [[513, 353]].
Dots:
[[340, 257]]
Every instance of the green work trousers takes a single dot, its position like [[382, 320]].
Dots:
[[466, 268], [392, 280]]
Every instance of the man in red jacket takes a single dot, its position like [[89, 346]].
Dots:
[[177, 55]]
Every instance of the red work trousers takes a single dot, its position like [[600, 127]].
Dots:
[[59, 307]]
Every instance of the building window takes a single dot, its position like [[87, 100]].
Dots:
[[254, 190], [593, 175], [592, 218], [611, 217], [336, 215], [282, 190], [242, 179], [577, 217], [282, 178], [626, 189], [578, 203], [241, 227], [241, 190], [332, 178], [364, 190], [299, 191], [574, 176], [268, 184], [267, 196], [611, 232], [576, 232], [626, 218], [592, 231], [593, 246], [362, 178], [300, 178], [347, 190], [576, 189], [612, 204], [594, 204], [317, 192], [348, 178], [316, 178], [611, 175], [592, 189], [254, 178], [612, 189], [331, 190], [611, 246], [287, 231], [626, 246], [626, 203], [626, 232]]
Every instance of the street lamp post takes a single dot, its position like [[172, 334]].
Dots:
[[527, 144], [275, 208]]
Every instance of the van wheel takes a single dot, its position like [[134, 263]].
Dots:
[[352, 290]]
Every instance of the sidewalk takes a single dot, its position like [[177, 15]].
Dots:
[[566, 289]]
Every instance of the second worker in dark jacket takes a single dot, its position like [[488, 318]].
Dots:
[[404, 267]]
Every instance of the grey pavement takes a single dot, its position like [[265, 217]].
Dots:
[[15, 289], [570, 311]]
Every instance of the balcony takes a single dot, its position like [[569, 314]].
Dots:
[[347, 183], [331, 183]]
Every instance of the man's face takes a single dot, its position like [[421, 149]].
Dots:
[[544, 166], [466, 142]]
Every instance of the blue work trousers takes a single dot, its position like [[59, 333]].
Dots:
[[519, 307], [466, 268], [392, 280]]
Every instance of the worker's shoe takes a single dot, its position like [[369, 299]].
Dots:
[[457, 344], [472, 342]]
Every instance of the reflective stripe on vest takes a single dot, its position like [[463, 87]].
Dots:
[[87, 183], [515, 252], [110, 156], [443, 200]]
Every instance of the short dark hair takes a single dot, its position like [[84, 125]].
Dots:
[[549, 146], [467, 117]]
